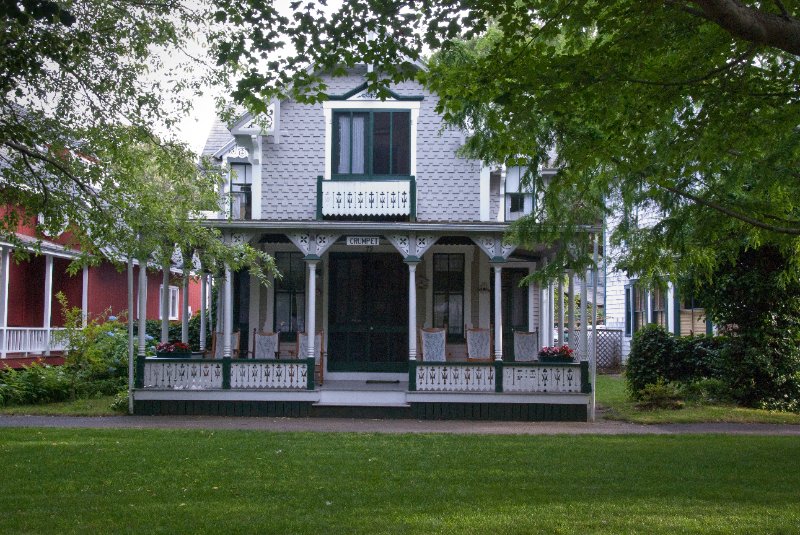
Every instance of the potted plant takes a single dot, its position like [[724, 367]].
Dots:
[[173, 350], [556, 354]]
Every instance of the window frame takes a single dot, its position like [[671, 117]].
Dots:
[[289, 335], [173, 294], [369, 143], [455, 332]]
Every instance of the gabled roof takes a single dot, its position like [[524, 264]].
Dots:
[[363, 89]]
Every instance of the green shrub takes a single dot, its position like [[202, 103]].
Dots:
[[36, 383], [659, 395], [695, 358], [120, 403], [652, 348]]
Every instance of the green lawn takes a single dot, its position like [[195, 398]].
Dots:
[[82, 407], [611, 395], [167, 481]]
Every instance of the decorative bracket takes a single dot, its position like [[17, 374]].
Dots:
[[237, 238], [313, 245], [493, 246], [411, 246]]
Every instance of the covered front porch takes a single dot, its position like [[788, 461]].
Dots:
[[368, 289]]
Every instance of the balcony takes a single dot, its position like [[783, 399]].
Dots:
[[345, 198]]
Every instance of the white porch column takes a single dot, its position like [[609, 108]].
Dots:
[[544, 313], [185, 305], [584, 345], [571, 309], [227, 327], [560, 298], [130, 335], [311, 311], [203, 299], [142, 305], [85, 296], [412, 310], [551, 318], [669, 308], [5, 258], [48, 301], [531, 301], [498, 312]]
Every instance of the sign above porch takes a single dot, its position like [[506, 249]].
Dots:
[[370, 241]]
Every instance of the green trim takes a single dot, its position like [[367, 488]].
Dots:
[[139, 380], [413, 187], [362, 87], [709, 327], [226, 373], [586, 386], [412, 375], [319, 198], [498, 375], [497, 260], [311, 372], [368, 367]]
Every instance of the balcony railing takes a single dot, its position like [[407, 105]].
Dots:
[[395, 197]]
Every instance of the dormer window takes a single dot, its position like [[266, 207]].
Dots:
[[239, 199], [519, 199], [372, 143]]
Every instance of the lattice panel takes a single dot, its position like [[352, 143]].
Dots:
[[269, 375], [544, 378], [472, 378], [609, 349], [182, 375]]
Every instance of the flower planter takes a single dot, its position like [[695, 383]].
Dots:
[[556, 360], [174, 354]]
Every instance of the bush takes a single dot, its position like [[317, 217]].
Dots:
[[652, 348], [36, 383], [659, 395]]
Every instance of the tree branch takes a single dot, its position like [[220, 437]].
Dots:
[[794, 231], [778, 31]]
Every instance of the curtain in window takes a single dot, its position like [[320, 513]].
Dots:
[[344, 145], [358, 145]]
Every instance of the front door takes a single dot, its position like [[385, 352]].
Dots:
[[368, 315]]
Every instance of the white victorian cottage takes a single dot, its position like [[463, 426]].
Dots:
[[391, 250]]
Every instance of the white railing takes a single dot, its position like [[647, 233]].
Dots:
[[500, 377], [224, 374], [561, 378], [455, 378], [272, 374], [366, 197], [189, 375], [30, 340]]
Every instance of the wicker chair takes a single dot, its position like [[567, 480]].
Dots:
[[433, 344], [479, 345]]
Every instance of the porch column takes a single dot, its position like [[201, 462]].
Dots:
[[412, 309], [498, 312], [584, 345], [185, 305], [550, 315], [544, 313], [227, 312], [560, 300], [130, 335], [85, 296], [48, 300], [5, 258], [203, 325], [311, 311], [571, 309], [142, 305], [165, 302]]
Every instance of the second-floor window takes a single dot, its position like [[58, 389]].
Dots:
[[372, 143], [519, 198], [241, 181]]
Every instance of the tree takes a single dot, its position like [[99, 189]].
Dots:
[[687, 110]]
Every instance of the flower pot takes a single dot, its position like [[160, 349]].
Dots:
[[552, 359], [174, 354]]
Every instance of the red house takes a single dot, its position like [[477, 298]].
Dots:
[[30, 311]]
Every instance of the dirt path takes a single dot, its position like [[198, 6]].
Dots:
[[335, 425]]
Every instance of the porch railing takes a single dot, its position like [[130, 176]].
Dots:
[[364, 198], [27, 340], [499, 376], [224, 374]]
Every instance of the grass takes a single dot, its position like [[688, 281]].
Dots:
[[612, 395], [169, 481], [100, 406]]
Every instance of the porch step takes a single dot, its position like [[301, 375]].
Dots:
[[352, 397]]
